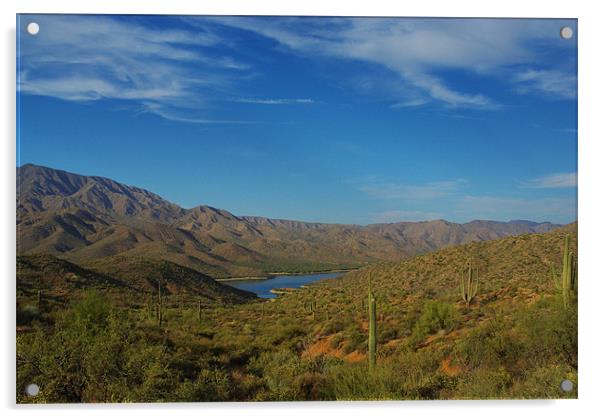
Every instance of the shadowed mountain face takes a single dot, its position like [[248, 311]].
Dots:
[[59, 280], [86, 219]]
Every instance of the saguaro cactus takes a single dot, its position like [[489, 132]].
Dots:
[[372, 325], [567, 282], [470, 286], [311, 307], [199, 311]]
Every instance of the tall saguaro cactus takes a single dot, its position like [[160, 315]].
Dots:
[[567, 282], [470, 285], [372, 324], [200, 310], [312, 307]]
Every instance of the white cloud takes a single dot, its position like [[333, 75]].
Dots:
[[416, 49], [181, 115], [164, 71], [431, 190], [551, 83], [552, 181], [410, 103], [181, 71], [275, 101]]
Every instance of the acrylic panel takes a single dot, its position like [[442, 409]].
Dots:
[[231, 208]]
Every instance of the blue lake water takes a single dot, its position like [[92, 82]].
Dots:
[[263, 287]]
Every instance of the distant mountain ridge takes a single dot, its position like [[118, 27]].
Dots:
[[85, 219]]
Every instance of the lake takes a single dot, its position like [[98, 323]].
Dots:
[[263, 286]]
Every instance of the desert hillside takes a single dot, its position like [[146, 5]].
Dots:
[[84, 219], [517, 338]]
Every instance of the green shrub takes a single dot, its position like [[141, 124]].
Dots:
[[551, 332], [357, 339], [210, 385], [333, 326], [356, 382], [492, 345], [413, 375], [81, 361], [545, 382], [278, 370], [435, 316], [485, 383]]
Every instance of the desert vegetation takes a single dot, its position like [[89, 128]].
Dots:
[[85, 336]]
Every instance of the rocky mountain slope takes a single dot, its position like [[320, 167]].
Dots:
[[124, 278], [84, 219]]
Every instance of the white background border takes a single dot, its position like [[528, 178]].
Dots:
[[590, 208]]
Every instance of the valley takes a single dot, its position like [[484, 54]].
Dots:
[[271, 208], [137, 298]]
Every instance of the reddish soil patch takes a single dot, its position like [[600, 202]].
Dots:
[[355, 357], [323, 347], [449, 368], [428, 340], [393, 343]]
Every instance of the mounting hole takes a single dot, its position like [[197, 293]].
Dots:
[[566, 32], [32, 389], [566, 385], [33, 28]]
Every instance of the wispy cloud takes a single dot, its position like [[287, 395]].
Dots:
[[430, 190], [410, 103], [552, 181], [416, 50], [392, 216], [552, 83], [180, 115], [275, 101], [169, 72], [183, 72]]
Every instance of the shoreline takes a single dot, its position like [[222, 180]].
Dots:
[[272, 275], [233, 279]]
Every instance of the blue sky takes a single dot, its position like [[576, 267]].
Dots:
[[319, 119]]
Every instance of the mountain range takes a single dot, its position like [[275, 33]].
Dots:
[[90, 220]]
